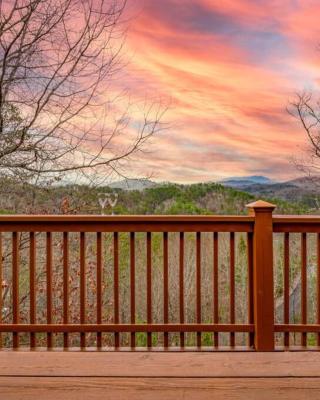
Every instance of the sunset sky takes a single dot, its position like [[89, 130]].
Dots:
[[228, 69]]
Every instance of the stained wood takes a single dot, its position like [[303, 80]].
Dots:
[[159, 388], [181, 284], [99, 286], [116, 285], [232, 286], [215, 281], [303, 286], [15, 286], [164, 364], [149, 287], [65, 285], [286, 284], [198, 285], [132, 286], [1, 278], [82, 287], [117, 327], [49, 285], [139, 223], [165, 286], [318, 285], [250, 286], [263, 276], [32, 282]]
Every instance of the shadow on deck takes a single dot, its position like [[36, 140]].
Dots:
[[166, 375]]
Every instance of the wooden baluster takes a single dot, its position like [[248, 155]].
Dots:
[[198, 284], [304, 286], [116, 286], [15, 286], [286, 285], [149, 288], [181, 284], [232, 287], [99, 286], [32, 279], [65, 286], [82, 287], [215, 281], [165, 287], [263, 275], [1, 279], [318, 285], [250, 286], [132, 287], [49, 285]]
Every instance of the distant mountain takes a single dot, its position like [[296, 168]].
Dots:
[[244, 181], [133, 184], [305, 190]]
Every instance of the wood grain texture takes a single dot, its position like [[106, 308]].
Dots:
[[263, 276], [144, 375], [159, 388], [164, 364], [126, 223]]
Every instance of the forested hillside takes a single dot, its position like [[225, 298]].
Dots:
[[202, 198], [161, 199]]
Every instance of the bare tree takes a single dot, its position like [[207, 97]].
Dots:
[[57, 115], [306, 109]]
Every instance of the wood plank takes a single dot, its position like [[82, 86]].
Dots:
[[250, 287], [181, 285], [232, 286], [65, 285], [304, 286], [263, 275], [198, 285], [165, 364], [49, 285], [117, 327], [165, 287], [15, 286], [116, 285], [13, 388], [149, 287], [82, 286], [99, 286], [139, 218], [132, 286], [286, 284], [164, 224], [32, 283]]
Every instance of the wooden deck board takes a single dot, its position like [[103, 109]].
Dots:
[[159, 388], [100, 375]]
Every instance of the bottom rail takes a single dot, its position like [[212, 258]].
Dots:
[[58, 328], [310, 328]]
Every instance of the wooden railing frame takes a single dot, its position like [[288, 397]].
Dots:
[[263, 295], [259, 224]]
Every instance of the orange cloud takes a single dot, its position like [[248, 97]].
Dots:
[[229, 69]]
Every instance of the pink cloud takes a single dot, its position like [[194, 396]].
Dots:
[[228, 94]]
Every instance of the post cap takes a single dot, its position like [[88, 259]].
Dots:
[[261, 205]]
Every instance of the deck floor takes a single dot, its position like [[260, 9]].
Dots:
[[144, 375]]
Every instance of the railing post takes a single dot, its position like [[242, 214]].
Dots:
[[262, 290]]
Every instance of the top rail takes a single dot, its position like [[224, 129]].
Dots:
[[125, 223], [296, 223], [186, 268]]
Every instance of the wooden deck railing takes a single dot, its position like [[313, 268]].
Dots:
[[39, 288]]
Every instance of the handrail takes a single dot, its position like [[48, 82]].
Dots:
[[258, 227], [123, 218], [125, 223], [296, 223]]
